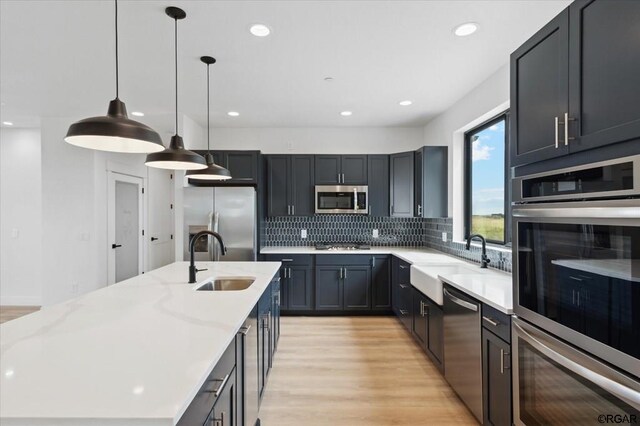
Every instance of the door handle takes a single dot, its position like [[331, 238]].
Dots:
[[293, 210], [288, 210], [460, 302], [218, 422], [491, 321], [345, 272], [502, 365], [338, 177], [567, 119], [343, 178], [115, 246], [373, 261], [245, 330], [340, 273], [403, 286], [403, 312], [154, 239], [419, 210], [557, 122], [216, 392]]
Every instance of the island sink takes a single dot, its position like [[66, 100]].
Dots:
[[227, 284]]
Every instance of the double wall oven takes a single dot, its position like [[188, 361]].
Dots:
[[576, 335]]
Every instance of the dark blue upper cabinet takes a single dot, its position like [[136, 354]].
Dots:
[[575, 85], [378, 170], [401, 186], [302, 185], [431, 182], [328, 170], [243, 166], [290, 181], [604, 65], [278, 185], [539, 93], [341, 169]]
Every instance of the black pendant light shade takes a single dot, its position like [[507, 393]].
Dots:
[[213, 171], [115, 131], [176, 157]]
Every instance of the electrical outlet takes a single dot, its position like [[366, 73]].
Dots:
[[303, 233], [376, 234], [444, 237]]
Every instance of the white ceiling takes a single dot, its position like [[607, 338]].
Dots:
[[57, 58]]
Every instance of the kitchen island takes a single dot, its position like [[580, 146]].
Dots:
[[133, 353]]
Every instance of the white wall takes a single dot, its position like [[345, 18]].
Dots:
[[330, 140], [20, 217], [487, 100]]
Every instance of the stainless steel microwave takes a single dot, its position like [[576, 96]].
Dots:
[[342, 199]]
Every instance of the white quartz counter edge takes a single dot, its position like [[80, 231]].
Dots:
[[496, 286], [40, 348]]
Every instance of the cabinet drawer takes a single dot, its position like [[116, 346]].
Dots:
[[343, 259], [200, 407], [289, 259], [404, 272], [498, 322]]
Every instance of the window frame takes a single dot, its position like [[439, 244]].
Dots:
[[468, 171]]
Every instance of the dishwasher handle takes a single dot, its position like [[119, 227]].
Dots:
[[471, 306]]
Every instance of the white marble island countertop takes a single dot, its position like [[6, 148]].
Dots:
[[134, 353]]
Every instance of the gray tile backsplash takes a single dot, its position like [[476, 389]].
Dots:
[[393, 231]]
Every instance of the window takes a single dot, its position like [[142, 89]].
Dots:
[[486, 210]]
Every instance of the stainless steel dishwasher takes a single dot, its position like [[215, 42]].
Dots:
[[463, 348]]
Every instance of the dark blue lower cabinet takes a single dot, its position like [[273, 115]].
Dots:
[[299, 288], [357, 288], [380, 283], [496, 379], [224, 411], [329, 288]]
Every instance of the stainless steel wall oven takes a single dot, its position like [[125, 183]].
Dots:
[[576, 236]]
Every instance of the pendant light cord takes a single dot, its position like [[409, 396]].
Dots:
[[208, 107], [176, 57], [117, 63]]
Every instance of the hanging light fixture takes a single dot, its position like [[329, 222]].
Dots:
[[114, 132], [213, 171], [176, 157]]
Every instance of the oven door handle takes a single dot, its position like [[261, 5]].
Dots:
[[573, 212], [626, 394]]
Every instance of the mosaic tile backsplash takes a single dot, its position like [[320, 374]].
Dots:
[[393, 231], [432, 230]]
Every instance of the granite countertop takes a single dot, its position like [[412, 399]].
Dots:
[[133, 353]]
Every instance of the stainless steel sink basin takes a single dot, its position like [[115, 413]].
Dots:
[[227, 284]]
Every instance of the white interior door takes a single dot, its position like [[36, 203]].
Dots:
[[160, 232], [125, 225]]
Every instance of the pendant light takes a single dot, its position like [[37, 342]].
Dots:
[[115, 131], [213, 171], [176, 157]]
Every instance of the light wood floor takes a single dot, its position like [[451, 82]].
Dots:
[[355, 371], [8, 313]]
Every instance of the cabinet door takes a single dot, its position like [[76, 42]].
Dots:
[[435, 342], [604, 65], [378, 181], [405, 306], [300, 288], [284, 288], [540, 93], [327, 169], [243, 166], [420, 326], [329, 288], [354, 169], [496, 380], [224, 410], [401, 176], [418, 202], [357, 287], [380, 283], [278, 185], [435, 166], [395, 285], [302, 185]]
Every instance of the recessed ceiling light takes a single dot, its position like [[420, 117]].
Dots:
[[7, 123], [346, 113], [465, 29], [260, 30], [233, 113], [405, 103], [138, 113]]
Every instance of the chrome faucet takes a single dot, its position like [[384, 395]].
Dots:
[[192, 266], [484, 259]]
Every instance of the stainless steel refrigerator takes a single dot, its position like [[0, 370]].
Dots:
[[229, 211]]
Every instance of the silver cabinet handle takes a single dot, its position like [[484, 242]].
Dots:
[[338, 177], [218, 422], [286, 260], [567, 119], [345, 272], [460, 302], [216, 391], [245, 330], [403, 312], [293, 210], [403, 286], [340, 273], [491, 321], [557, 122], [582, 369], [403, 267], [289, 274], [373, 261], [288, 210], [419, 210], [343, 178], [501, 361]]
